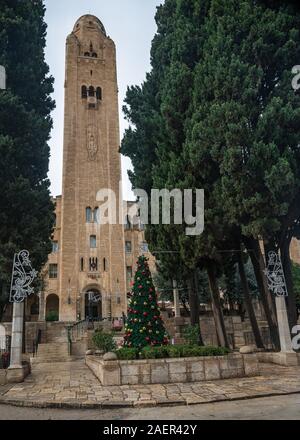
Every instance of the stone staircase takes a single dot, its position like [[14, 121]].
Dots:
[[56, 347]]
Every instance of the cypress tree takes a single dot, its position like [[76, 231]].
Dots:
[[26, 210]]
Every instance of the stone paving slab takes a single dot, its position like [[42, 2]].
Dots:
[[73, 385]]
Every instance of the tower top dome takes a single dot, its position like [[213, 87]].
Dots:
[[89, 21]]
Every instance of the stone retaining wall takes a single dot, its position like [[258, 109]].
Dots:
[[155, 371]]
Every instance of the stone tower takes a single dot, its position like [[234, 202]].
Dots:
[[91, 256]]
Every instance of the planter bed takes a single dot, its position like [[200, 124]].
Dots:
[[172, 370]]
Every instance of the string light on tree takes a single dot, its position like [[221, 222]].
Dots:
[[143, 312]]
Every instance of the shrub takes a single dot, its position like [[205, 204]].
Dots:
[[174, 351], [104, 341], [170, 351], [191, 334], [52, 316], [154, 352], [127, 354]]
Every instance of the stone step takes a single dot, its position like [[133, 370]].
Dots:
[[45, 360]]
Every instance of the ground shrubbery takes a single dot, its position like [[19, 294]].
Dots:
[[104, 341], [170, 351]]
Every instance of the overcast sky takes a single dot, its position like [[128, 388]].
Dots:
[[131, 24]]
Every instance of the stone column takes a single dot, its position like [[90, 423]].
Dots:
[[15, 372], [41, 306], [283, 325], [176, 299]]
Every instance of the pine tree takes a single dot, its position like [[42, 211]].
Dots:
[[144, 323]]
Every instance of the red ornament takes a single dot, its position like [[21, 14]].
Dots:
[[140, 287], [150, 290], [145, 314]]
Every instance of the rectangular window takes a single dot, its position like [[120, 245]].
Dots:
[[54, 247], [88, 215], [128, 274], [53, 271], [81, 264], [128, 247], [93, 241]]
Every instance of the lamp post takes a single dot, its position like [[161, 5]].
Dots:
[[22, 277], [277, 284]]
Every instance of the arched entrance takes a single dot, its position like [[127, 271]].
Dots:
[[52, 307], [93, 305]]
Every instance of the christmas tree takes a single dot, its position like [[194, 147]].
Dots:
[[144, 323]]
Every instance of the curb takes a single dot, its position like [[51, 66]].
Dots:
[[134, 404]]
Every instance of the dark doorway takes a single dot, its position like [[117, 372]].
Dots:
[[93, 305]]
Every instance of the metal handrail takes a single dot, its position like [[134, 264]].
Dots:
[[77, 330], [36, 342]]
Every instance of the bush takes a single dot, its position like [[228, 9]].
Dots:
[[104, 341], [127, 354], [52, 316], [170, 351], [154, 352], [191, 334], [174, 351]]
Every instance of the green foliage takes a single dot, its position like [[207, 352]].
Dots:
[[104, 341], [191, 334], [296, 279], [154, 352], [231, 286], [144, 323], [26, 210], [171, 351], [194, 350], [218, 112], [52, 316], [127, 354]]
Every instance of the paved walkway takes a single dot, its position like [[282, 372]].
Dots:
[[72, 385]]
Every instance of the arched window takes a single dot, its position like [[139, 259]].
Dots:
[[99, 93], [91, 44], [86, 54], [88, 215], [94, 55], [83, 92], [91, 91], [93, 242], [97, 216], [104, 264]]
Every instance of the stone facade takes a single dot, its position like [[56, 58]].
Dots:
[[87, 256]]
